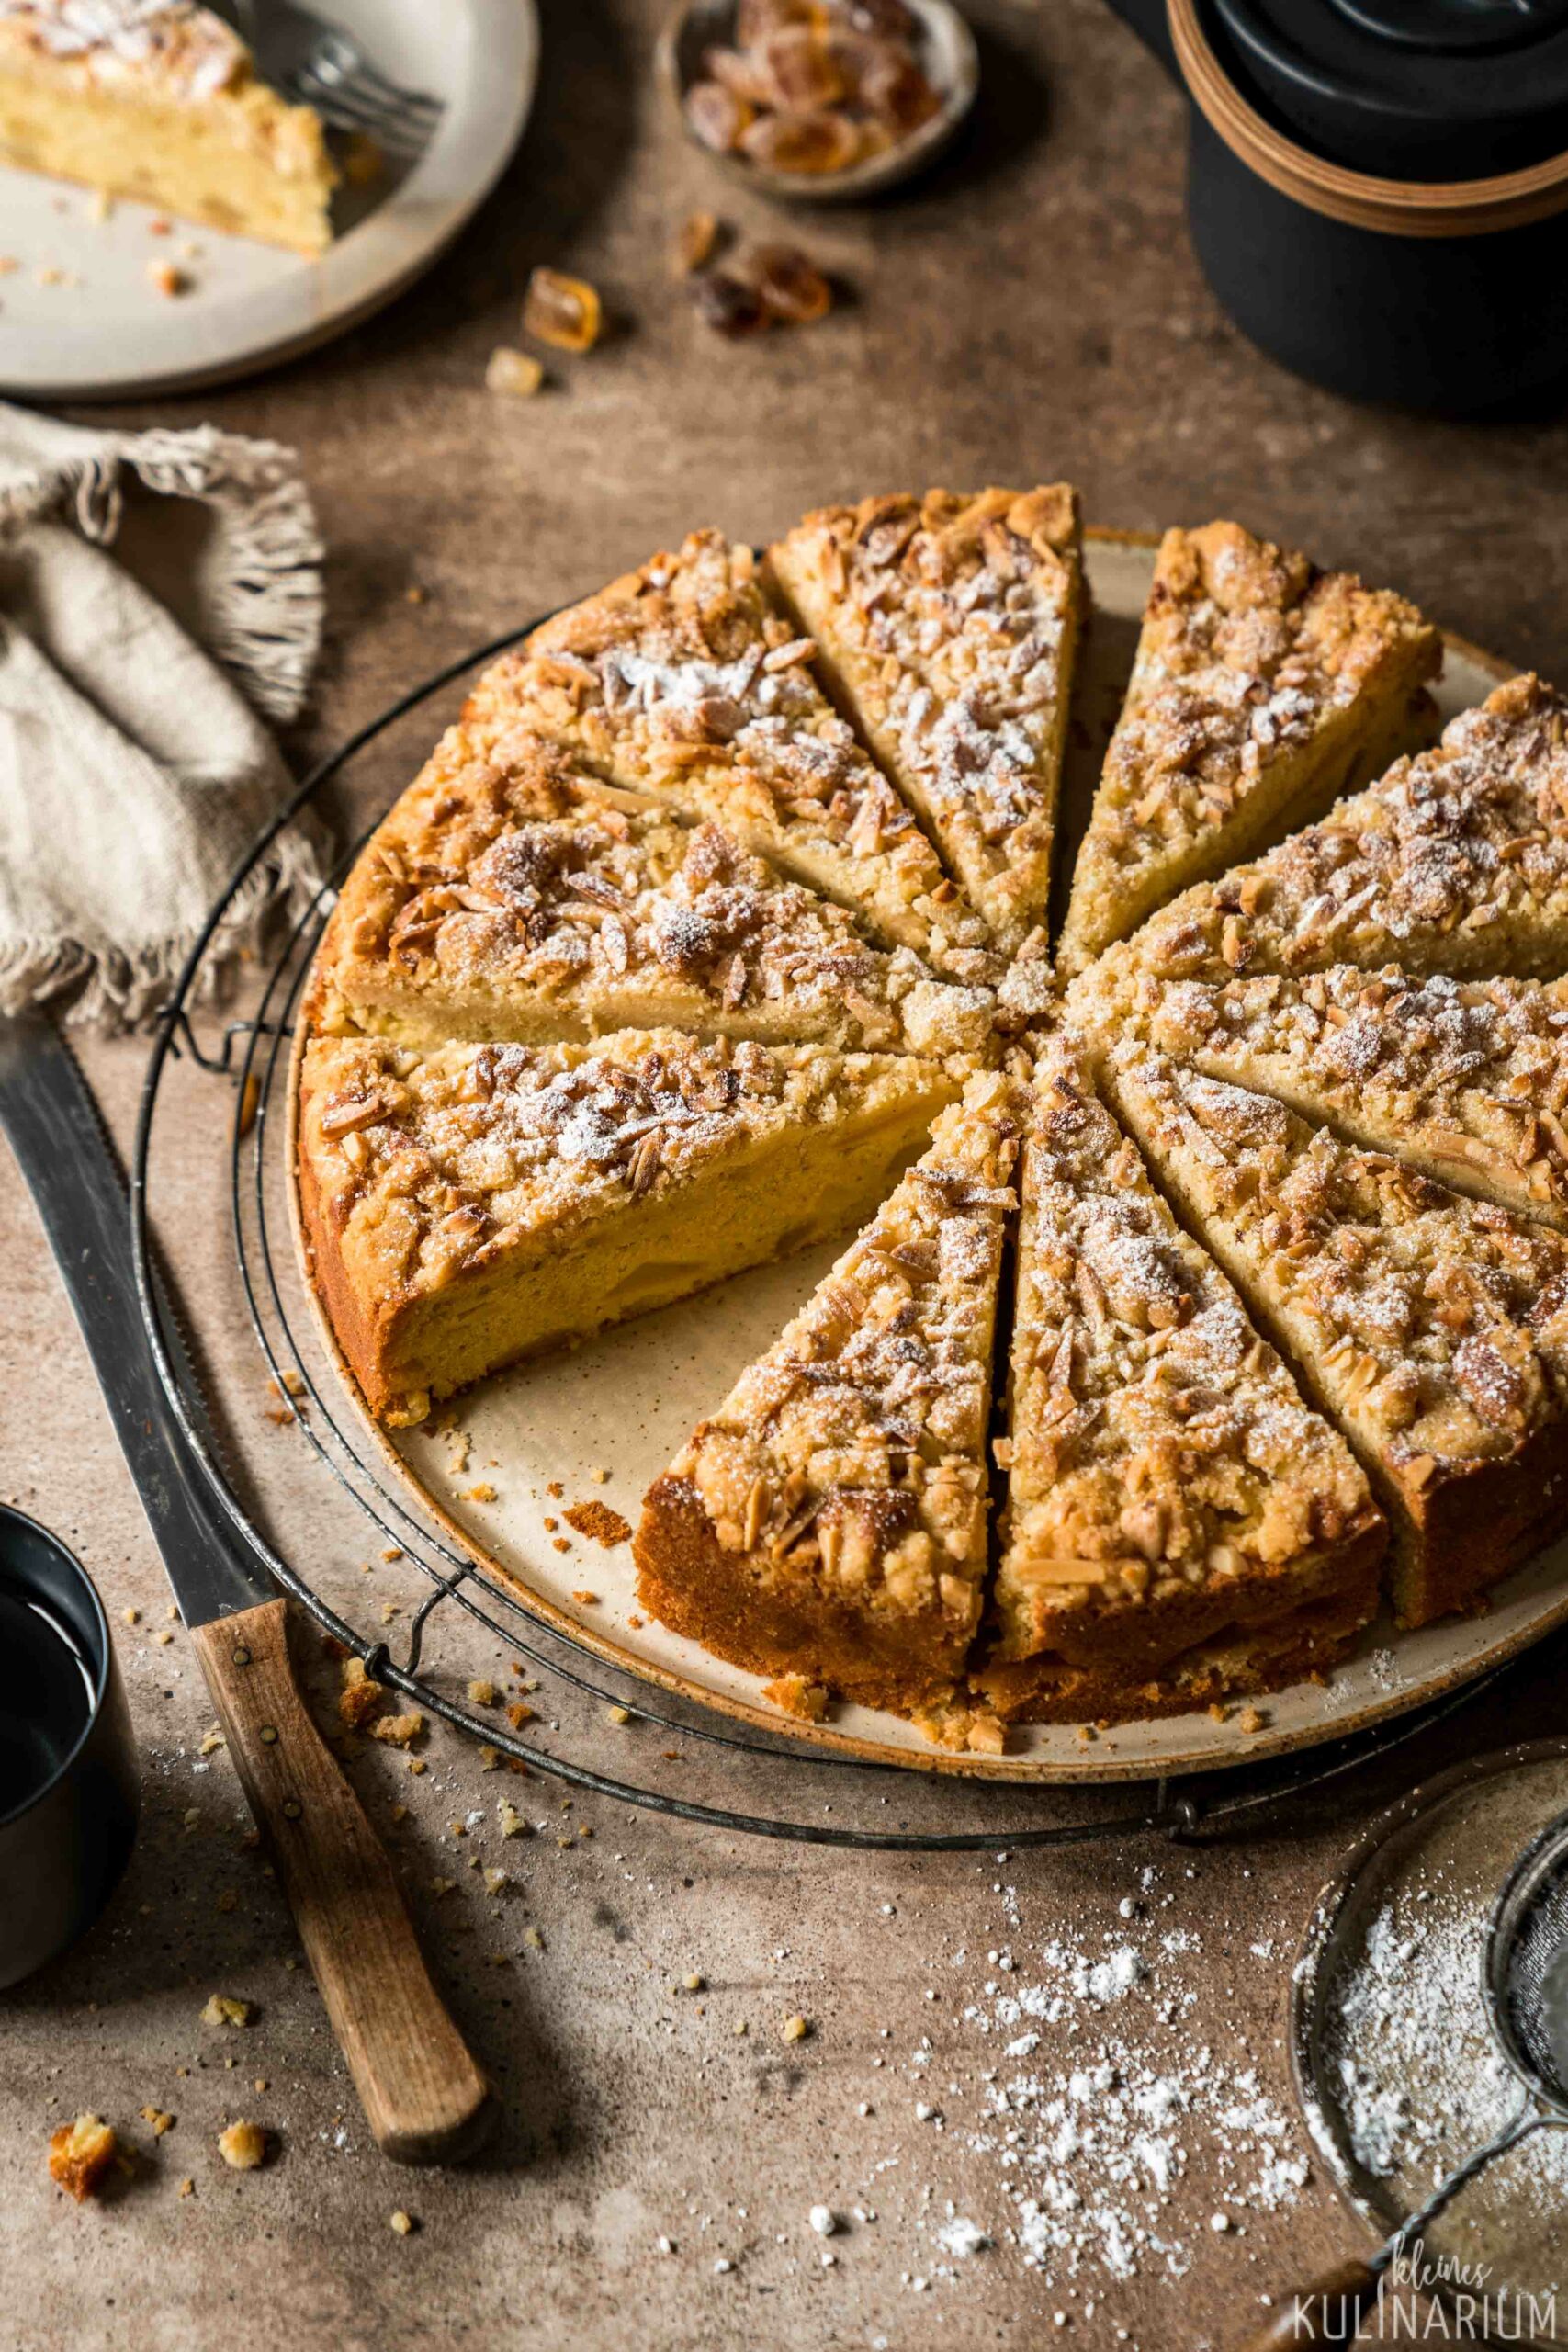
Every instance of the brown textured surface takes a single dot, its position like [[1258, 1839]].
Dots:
[[1036, 314]]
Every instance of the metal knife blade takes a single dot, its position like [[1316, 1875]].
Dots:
[[73, 1170], [426, 2099]]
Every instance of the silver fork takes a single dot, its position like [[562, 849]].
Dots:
[[319, 65]]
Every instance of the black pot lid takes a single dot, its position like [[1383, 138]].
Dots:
[[1444, 89]]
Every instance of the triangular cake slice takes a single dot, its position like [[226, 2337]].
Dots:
[[948, 627], [510, 895], [827, 1524], [684, 679], [1466, 1079], [160, 101], [475, 1203], [1456, 861], [1261, 688], [1179, 1526], [1433, 1328]]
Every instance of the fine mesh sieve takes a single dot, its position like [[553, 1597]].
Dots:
[[1526, 1967], [1525, 1984]]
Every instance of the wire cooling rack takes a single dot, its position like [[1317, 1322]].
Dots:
[[338, 1490]]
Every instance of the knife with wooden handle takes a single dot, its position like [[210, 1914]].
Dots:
[[425, 2098]]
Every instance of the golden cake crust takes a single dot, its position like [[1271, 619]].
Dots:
[[1167, 1488], [1434, 1328], [829, 1520], [1262, 687], [684, 679], [513, 895], [948, 626]]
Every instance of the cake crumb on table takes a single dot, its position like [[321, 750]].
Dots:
[[224, 2008], [242, 2146], [397, 1731], [80, 2153]]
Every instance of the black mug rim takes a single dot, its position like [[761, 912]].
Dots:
[[103, 1663]]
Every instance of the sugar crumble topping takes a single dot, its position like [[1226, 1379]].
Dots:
[[950, 619], [191, 52], [685, 681], [1454, 861], [507, 870]]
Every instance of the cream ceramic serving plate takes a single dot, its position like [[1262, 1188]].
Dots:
[[80, 319], [622, 1405]]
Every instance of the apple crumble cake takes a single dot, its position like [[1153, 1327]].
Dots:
[[947, 628], [829, 1520], [1456, 861], [1466, 1079], [160, 99], [684, 679], [1179, 1525], [510, 896], [1262, 687], [1433, 1328], [472, 1205]]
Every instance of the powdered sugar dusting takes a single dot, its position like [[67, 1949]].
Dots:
[[1097, 2099], [1412, 2061]]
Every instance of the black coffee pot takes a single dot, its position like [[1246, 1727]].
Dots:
[[1378, 189]]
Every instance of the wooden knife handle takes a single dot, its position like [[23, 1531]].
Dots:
[[1328, 2312], [424, 2097]]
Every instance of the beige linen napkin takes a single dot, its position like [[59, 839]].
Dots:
[[135, 765]]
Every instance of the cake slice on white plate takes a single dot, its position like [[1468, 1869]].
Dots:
[[161, 100]]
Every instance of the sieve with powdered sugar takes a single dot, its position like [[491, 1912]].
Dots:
[[1429, 2016]]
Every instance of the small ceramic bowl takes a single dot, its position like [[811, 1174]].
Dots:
[[952, 64]]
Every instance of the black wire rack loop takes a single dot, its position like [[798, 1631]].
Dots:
[[252, 1055]]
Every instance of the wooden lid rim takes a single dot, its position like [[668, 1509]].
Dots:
[[1394, 207]]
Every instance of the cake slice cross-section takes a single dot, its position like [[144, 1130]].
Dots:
[[160, 99], [511, 895], [471, 1204], [686, 680], [1179, 1526], [948, 627], [1262, 687], [1455, 861], [1433, 1328], [827, 1524], [1465, 1079]]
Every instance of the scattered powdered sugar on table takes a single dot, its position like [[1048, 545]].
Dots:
[[1102, 2091]]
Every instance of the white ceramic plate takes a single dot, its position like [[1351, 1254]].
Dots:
[[80, 319], [624, 1403]]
